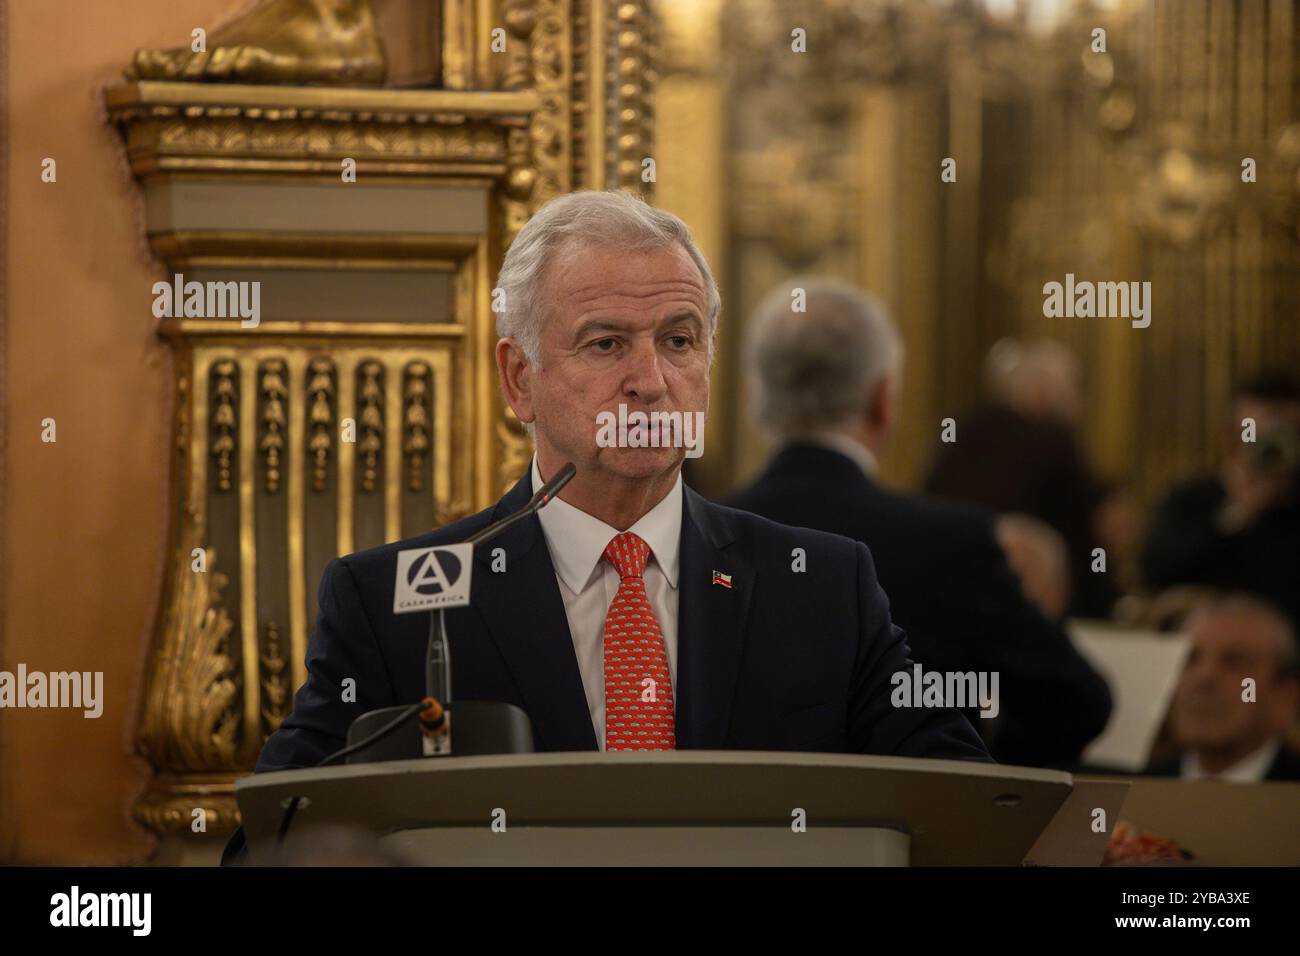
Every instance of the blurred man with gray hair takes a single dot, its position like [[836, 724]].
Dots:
[[827, 386], [1019, 453]]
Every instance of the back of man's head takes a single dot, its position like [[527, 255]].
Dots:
[[1040, 379], [820, 368], [1274, 385]]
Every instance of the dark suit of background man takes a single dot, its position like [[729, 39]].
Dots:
[[827, 385], [608, 302]]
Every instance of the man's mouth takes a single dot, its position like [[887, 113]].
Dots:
[[658, 428]]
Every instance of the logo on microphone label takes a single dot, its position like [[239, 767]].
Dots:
[[432, 578]]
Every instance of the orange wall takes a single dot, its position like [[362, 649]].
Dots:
[[84, 518]]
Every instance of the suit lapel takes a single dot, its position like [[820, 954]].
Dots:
[[710, 624], [525, 616]]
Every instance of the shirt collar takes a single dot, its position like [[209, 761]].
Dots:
[[859, 453], [1249, 769], [577, 540]]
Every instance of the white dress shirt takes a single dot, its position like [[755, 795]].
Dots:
[[588, 583], [1252, 768]]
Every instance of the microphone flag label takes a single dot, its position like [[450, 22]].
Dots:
[[432, 578]]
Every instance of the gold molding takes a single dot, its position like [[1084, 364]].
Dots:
[[189, 720], [339, 104], [315, 249], [218, 671], [630, 115], [346, 363], [272, 444], [595, 168], [226, 128], [371, 420], [302, 448], [552, 53], [248, 553], [229, 330], [444, 509], [225, 423], [168, 805], [416, 382], [275, 689]]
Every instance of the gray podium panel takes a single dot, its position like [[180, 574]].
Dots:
[[953, 812], [653, 846]]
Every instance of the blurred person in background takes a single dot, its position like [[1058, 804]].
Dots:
[[1037, 554], [827, 385], [1240, 529], [1019, 454], [1220, 735]]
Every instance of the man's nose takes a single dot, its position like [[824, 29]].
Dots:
[[1210, 676], [645, 378]]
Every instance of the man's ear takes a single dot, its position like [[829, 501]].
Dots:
[[1287, 694], [883, 412], [515, 372]]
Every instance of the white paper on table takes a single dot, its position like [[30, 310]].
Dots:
[[1142, 668]]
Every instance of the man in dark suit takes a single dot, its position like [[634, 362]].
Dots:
[[827, 384], [1224, 728], [747, 634]]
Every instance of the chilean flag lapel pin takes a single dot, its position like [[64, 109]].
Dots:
[[722, 580]]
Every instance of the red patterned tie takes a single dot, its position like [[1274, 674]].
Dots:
[[638, 684]]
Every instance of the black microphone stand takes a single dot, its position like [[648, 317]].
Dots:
[[483, 726]]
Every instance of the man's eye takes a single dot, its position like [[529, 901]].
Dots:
[[680, 341], [604, 345]]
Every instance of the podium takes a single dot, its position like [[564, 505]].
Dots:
[[679, 808]]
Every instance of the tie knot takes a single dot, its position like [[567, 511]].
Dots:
[[628, 553]]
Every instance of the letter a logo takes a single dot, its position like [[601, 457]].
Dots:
[[434, 573], [429, 578]]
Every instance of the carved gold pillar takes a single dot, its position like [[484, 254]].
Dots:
[[362, 406]]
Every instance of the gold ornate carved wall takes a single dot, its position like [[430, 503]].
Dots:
[[361, 404]]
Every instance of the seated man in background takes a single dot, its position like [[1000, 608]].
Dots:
[[828, 382], [1240, 530], [1224, 732]]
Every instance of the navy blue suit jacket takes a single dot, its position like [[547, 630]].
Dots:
[[782, 660], [952, 591]]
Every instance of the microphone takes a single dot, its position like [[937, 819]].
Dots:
[[543, 497], [493, 727], [435, 715]]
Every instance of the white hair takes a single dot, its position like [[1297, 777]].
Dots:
[[819, 368], [1014, 371], [613, 219]]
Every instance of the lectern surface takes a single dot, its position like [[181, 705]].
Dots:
[[955, 812]]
